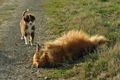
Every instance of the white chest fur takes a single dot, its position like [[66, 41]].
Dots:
[[29, 30]]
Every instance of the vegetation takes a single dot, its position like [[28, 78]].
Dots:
[[94, 17]]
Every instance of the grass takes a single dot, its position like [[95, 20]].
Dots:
[[9, 8], [84, 14], [5, 12], [0, 22], [61, 72], [105, 67], [94, 17]]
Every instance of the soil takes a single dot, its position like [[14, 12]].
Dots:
[[15, 56]]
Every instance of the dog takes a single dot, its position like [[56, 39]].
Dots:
[[70, 46], [27, 27]]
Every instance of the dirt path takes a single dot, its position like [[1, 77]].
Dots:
[[16, 60]]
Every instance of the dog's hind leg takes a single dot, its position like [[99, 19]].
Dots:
[[22, 36]]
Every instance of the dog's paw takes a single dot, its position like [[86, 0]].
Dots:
[[33, 44], [22, 38], [26, 43], [33, 66]]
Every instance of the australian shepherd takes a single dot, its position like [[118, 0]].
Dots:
[[70, 46], [27, 27]]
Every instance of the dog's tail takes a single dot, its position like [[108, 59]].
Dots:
[[98, 39], [23, 14]]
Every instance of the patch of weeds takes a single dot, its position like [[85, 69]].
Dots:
[[113, 36], [118, 2], [92, 57], [107, 10], [9, 8], [0, 44], [104, 0], [93, 68], [117, 55], [106, 23], [3, 13], [74, 12], [0, 22], [53, 7], [62, 72], [56, 27], [1, 28]]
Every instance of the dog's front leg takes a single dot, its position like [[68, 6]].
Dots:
[[32, 38], [26, 39]]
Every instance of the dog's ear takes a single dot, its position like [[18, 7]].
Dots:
[[25, 19], [48, 46], [38, 47], [33, 17]]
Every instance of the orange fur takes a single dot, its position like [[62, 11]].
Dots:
[[74, 44]]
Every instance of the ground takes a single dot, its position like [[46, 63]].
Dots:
[[15, 56]]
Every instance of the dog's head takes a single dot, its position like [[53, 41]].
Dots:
[[29, 19], [38, 58], [43, 57]]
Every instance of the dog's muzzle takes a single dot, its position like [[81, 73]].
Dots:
[[30, 22]]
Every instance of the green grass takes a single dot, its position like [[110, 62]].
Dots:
[[82, 14], [0, 22], [3, 13], [92, 68], [66, 72], [94, 17], [9, 8]]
